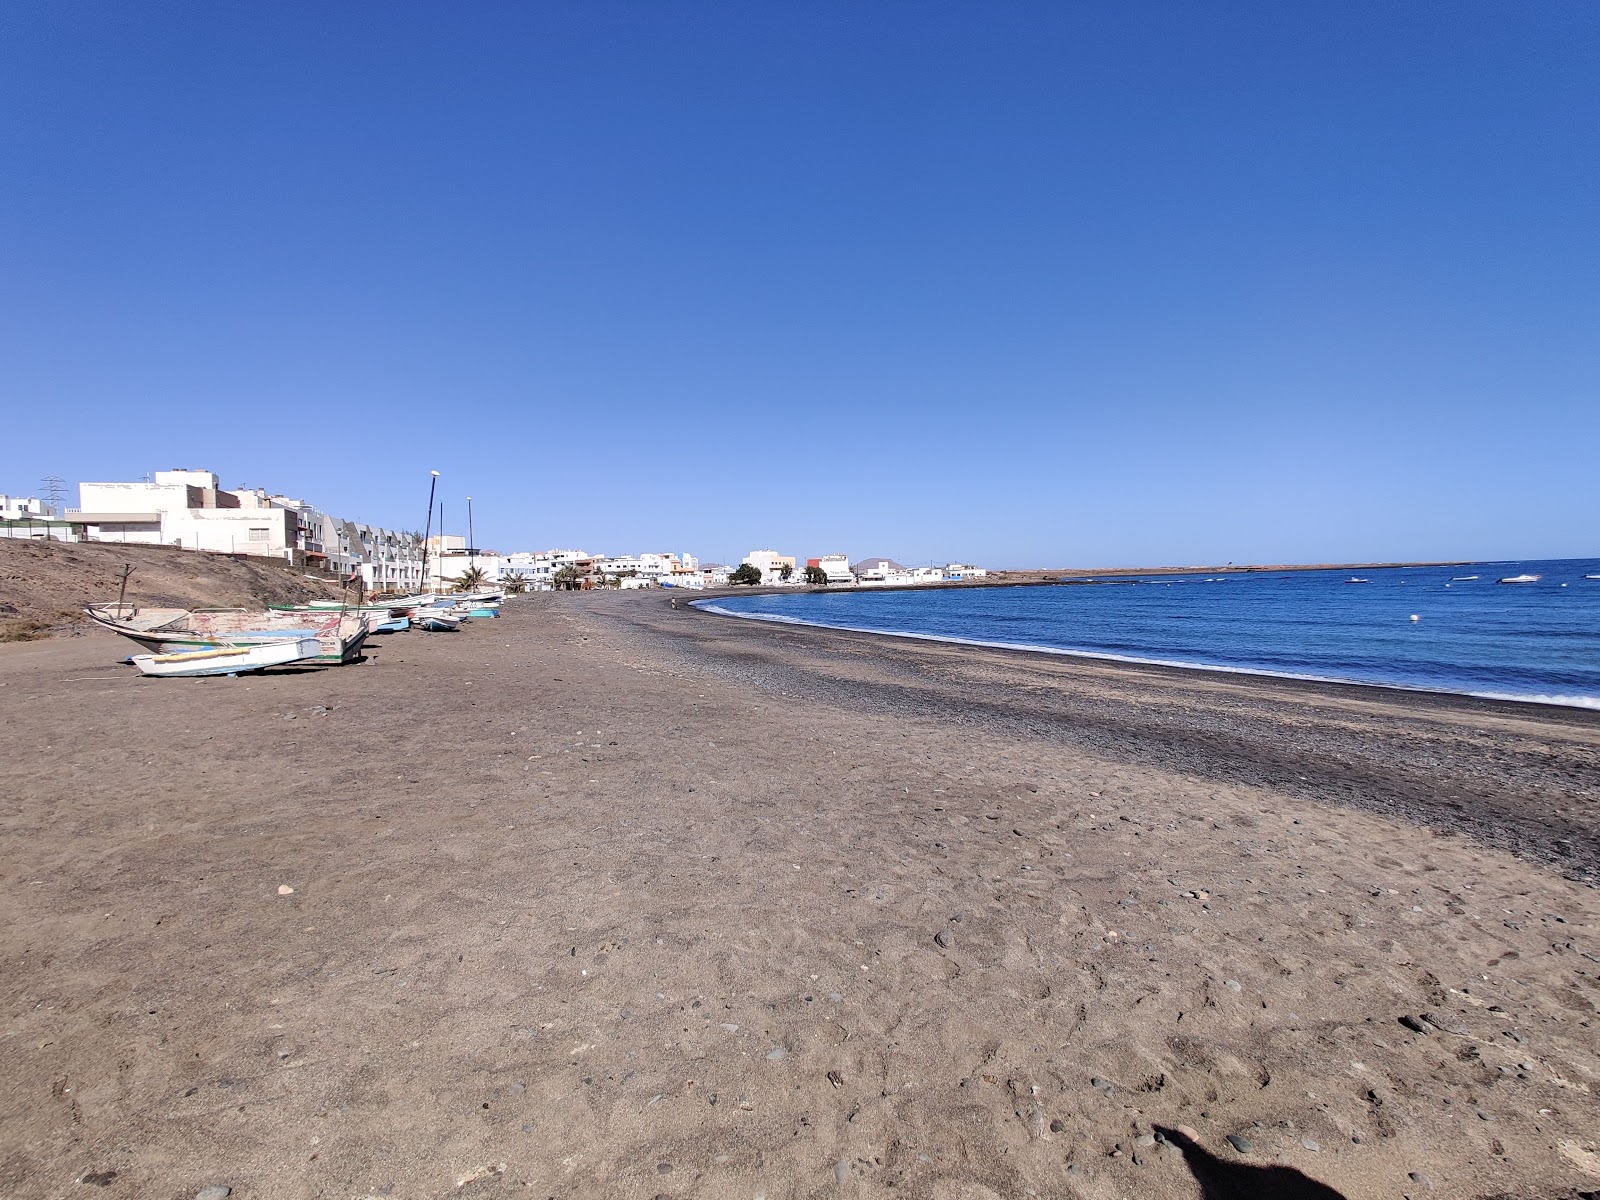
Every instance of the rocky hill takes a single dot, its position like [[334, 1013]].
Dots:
[[44, 585]]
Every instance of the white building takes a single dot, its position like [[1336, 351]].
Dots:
[[539, 569], [31, 519], [836, 567], [20, 508], [190, 510], [878, 570], [774, 567], [960, 571]]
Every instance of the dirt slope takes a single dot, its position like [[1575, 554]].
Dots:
[[44, 585]]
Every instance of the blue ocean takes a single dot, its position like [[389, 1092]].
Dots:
[[1443, 629]]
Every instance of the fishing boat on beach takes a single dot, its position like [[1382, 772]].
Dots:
[[433, 621], [228, 660], [1521, 579], [178, 630]]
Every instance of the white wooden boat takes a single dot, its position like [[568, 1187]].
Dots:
[[228, 660], [1521, 579], [176, 630], [435, 621]]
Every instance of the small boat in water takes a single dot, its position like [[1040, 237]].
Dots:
[[1592, 576], [1357, 579], [227, 660], [1521, 579], [1461, 578]]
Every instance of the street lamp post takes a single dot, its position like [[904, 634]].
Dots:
[[428, 532]]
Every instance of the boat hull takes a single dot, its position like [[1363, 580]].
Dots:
[[339, 638], [226, 660]]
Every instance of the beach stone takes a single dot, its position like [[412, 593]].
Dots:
[[285, 890], [942, 938], [1415, 1024], [1239, 1142], [841, 1172], [777, 1054], [215, 1192], [1058, 1126], [1421, 1180], [1309, 1144], [1104, 1085], [663, 1168], [1145, 1140]]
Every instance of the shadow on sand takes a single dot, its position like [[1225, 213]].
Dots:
[[1220, 1179]]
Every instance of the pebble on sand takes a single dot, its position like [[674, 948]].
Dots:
[[215, 1192], [1239, 1142], [942, 938], [285, 890]]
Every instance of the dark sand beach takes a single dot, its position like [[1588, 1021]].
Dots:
[[606, 898]]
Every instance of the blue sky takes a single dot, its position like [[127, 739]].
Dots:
[[1027, 284]]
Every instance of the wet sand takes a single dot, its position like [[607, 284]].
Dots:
[[609, 899]]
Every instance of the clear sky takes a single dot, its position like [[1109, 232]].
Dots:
[[1027, 284]]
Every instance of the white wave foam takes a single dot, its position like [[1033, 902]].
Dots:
[[1584, 702]]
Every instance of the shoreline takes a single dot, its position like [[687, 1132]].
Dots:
[[1579, 703], [1347, 744]]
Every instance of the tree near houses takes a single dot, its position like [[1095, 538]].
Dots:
[[471, 579], [785, 571], [745, 573], [816, 576], [568, 578], [514, 585]]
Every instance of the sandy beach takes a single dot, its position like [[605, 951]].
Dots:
[[606, 898]]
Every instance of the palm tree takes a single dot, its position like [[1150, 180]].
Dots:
[[515, 585], [471, 579]]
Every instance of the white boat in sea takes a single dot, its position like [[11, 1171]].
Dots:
[[1592, 576], [1521, 579], [1461, 578], [228, 660], [1357, 579]]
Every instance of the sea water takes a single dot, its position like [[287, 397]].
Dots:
[[1412, 627]]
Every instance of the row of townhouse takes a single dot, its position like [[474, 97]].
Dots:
[[190, 509]]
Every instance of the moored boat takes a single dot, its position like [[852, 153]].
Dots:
[[1521, 579], [228, 660]]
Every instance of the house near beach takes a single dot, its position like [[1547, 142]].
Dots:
[[191, 510], [836, 567], [774, 567]]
